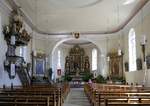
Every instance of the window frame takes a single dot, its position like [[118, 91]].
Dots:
[[132, 50], [58, 59], [94, 59]]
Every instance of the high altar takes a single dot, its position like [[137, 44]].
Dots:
[[77, 63]]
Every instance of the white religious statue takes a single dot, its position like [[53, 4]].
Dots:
[[77, 72]]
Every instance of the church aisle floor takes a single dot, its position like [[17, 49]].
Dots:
[[76, 97]]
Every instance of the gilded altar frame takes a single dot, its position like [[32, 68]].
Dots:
[[77, 60], [115, 65]]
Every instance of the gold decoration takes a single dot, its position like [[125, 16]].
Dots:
[[76, 35], [15, 28], [77, 62]]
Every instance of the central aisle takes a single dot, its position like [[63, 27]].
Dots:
[[77, 97]]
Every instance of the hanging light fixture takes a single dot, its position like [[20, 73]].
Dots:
[[36, 24], [107, 41], [143, 45], [143, 40], [119, 48], [108, 57], [119, 41]]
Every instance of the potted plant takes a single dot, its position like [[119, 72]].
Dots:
[[67, 78], [118, 80], [100, 79], [87, 76]]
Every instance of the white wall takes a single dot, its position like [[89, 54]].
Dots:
[[141, 28], [138, 77]]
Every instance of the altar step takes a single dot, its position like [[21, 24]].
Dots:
[[76, 97], [76, 84], [40, 80]]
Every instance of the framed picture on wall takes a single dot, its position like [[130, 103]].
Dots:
[[139, 64], [59, 72], [39, 66], [148, 61]]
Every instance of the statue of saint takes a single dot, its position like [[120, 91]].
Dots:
[[50, 73], [77, 72]]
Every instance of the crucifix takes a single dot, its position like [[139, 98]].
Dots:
[[143, 45]]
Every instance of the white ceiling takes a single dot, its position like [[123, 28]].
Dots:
[[72, 3], [61, 16]]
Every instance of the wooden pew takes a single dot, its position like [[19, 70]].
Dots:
[[98, 94], [124, 101], [53, 94], [126, 98], [26, 101], [35, 91], [52, 97]]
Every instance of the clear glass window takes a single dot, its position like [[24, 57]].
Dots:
[[132, 50], [94, 59]]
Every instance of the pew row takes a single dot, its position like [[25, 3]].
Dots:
[[42, 95], [117, 95]]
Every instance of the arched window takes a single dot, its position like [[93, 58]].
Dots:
[[23, 52], [94, 59], [59, 63], [132, 50]]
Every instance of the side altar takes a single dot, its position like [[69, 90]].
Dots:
[[77, 63]]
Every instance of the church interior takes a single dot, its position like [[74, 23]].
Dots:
[[74, 53]]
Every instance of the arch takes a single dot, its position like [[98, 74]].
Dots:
[[67, 39]]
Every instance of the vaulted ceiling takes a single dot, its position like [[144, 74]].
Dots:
[[85, 16]]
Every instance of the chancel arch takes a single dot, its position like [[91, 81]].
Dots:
[[58, 44]]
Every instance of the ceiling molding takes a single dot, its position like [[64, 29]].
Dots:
[[83, 43], [78, 4], [13, 4]]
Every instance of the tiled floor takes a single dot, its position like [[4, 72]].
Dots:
[[76, 97]]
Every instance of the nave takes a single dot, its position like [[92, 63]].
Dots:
[[77, 97], [74, 53], [43, 95], [62, 95]]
